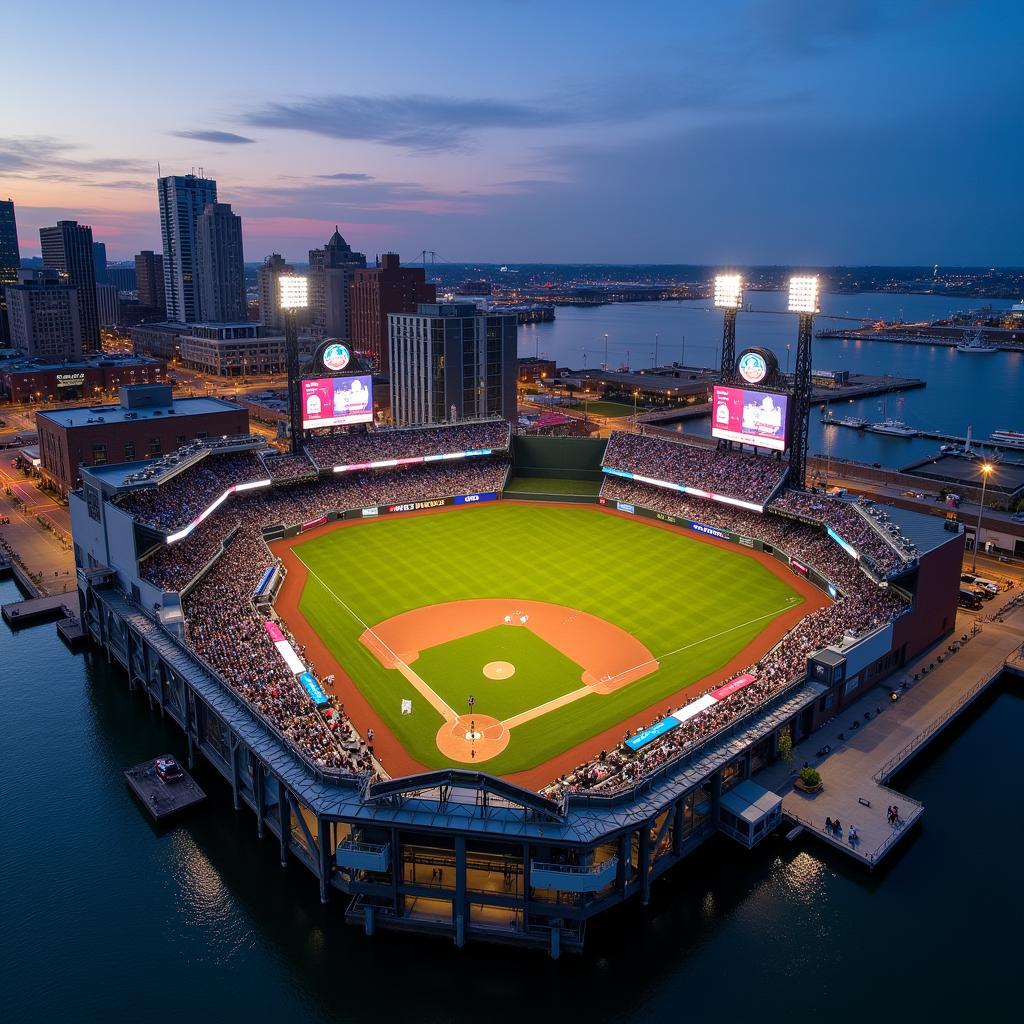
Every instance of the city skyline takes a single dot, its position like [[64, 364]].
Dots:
[[785, 132]]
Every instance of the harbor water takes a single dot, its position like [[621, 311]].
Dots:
[[108, 918], [982, 391]]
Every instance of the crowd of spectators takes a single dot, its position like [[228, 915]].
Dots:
[[180, 498], [173, 566], [849, 523], [732, 473], [860, 606], [224, 627], [347, 449], [225, 630]]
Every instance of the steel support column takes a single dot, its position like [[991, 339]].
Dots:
[[285, 812], [801, 403], [291, 338], [729, 346]]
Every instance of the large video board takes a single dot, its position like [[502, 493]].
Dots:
[[337, 401], [750, 417]]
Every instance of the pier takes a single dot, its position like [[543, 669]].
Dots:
[[40, 609], [862, 759], [161, 799], [1003, 339]]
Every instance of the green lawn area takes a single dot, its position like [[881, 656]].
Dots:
[[692, 604], [455, 670], [602, 408], [543, 485]]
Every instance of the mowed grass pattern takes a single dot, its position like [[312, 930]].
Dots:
[[694, 605]]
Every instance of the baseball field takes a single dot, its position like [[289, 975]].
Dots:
[[510, 635]]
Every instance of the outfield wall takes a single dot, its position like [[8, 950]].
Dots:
[[566, 458]]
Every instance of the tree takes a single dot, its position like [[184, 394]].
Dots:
[[786, 745]]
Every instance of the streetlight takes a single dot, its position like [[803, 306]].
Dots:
[[636, 393], [605, 367], [987, 469]]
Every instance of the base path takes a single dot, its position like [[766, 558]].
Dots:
[[609, 656]]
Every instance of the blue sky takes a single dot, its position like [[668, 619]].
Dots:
[[743, 131]]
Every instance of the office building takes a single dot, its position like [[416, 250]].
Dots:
[[452, 361], [99, 261], [233, 350], [220, 266], [145, 423], [270, 299], [10, 261], [331, 271], [149, 280], [45, 321], [33, 380], [377, 292], [108, 305], [67, 247], [124, 278], [182, 199]]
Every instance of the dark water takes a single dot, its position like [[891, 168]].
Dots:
[[962, 389], [105, 917]]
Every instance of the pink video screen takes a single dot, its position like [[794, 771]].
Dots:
[[337, 401]]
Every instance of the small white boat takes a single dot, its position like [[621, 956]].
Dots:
[[1011, 438], [894, 428], [857, 422], [976, 345]]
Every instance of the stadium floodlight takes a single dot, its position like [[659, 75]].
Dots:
[[293, 290], [803, 295], [728, 291]]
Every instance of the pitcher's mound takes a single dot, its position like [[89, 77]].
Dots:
[[499, 670], [472, 738]]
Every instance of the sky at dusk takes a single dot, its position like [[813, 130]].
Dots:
[[739, 131]]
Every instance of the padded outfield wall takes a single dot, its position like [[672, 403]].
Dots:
[[562, 458]]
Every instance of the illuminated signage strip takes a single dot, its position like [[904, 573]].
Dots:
[[173, 538], [687, 712], [696, 492], [385, 463], [848, 548]]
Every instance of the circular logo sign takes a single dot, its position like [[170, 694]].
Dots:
[[336, 357], [752, 367]]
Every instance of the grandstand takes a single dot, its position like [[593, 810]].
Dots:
[[178, 581]]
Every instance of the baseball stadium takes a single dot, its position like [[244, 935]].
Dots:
[[489, 685]]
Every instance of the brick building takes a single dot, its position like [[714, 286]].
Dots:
[[146, 423], [33, 380]]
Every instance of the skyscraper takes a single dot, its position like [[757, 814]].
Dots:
[[108, 305], [331, 270], [99, 261], [67, 247], [451, 361], [377, 292], [220, 266], [149, 280], [182, 199], [270, 299], [10, 261], [44, 318]]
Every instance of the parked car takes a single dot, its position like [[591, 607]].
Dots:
[[168, 770]]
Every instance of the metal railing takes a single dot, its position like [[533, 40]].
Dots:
[[933, 727]]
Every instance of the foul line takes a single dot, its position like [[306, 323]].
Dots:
[[568, 698], [421, 686]]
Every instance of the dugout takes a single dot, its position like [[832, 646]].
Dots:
[[558, 458]]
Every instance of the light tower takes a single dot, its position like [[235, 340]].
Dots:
[[803, 300], [294, 292], [729, 298]]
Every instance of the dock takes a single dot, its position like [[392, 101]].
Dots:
[[31, 612], [71, 631], [1003, 340], [162, 800], [888, 734]]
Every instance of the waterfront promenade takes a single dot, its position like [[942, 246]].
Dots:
[[862, 759]]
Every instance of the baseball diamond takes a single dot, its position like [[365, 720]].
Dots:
[[602, 619]]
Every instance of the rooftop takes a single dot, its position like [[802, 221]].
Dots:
[[24, 365], [926, 532], [90, 414]]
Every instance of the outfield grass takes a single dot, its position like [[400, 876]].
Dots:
[[692, 604], [544, 485]]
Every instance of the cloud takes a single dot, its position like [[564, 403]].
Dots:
[[416, 122], [51, 156], [227, 138], [345, 176]]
